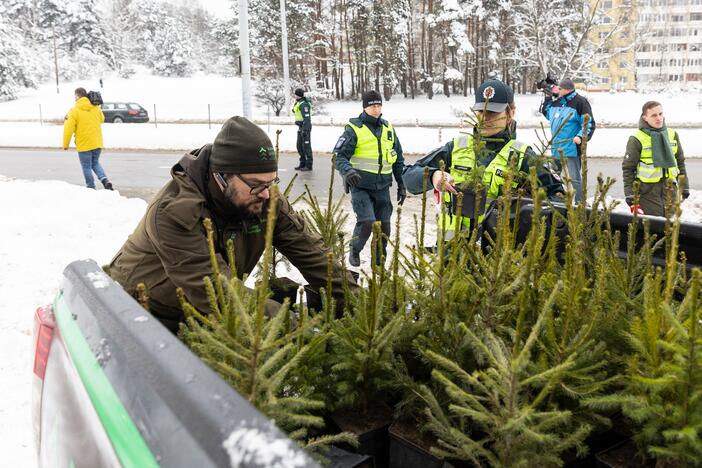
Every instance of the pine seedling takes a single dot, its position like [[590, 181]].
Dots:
[[495, 415], [663, 395], [362, 344], [328, 222]]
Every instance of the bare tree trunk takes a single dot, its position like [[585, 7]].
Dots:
[[430, 54], [466, 77]]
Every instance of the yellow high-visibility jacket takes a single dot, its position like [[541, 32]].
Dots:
[[84, 119]]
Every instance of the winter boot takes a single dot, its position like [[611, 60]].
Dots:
[[306, 169], [106, 183], [354, 258]]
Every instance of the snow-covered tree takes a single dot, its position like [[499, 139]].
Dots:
[[17, 70], [171, 50]]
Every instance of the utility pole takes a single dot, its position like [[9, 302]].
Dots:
[[286, 70], [245, 59]]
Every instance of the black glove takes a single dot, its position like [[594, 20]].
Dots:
[[401, 194], [352, 178], [629, 200], [686, 194]]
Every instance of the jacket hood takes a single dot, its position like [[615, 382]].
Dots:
[[84, 104], [196, 165]]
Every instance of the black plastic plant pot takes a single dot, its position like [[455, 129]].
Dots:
[[340, 458], [622, 455], [471, 201], [408, 449], [371, 428]]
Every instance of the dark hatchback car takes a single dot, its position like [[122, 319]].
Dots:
[[118, 112]]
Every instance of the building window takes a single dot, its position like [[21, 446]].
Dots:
[[607, 4], [602, 64], [623, 64], [695, 16], [678, 18]]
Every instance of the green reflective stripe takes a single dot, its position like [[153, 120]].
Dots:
[[129, 445]]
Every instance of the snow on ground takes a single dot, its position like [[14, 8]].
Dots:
[[422, 124], [48, 224]]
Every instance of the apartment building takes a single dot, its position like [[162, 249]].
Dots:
[[669, 48], [617, 71]]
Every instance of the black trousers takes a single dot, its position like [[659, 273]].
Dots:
[[304, 147]]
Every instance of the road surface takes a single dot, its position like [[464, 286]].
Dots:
[[142, 174]]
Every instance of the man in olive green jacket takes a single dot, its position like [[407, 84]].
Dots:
[[228, 182], [653, 156]]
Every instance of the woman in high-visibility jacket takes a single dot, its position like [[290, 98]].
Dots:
[[653, 157], [494, 150]]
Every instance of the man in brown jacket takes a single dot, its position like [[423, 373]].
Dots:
[[228, 182]]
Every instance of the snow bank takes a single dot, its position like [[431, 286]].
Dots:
[[609, 142], [45, 226]]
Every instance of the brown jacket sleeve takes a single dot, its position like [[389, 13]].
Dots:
[[306, 251], [183, 252], [629, 165], [681, 163]]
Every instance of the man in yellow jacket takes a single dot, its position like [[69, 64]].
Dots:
[[84, 120]]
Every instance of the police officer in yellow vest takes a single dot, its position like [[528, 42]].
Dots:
[[494, 101], [653, 156], [303, 119], [368, 156]]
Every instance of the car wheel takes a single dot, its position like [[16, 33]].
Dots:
[[118, 119]]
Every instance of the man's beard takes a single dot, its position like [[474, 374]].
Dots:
[[253, 209]]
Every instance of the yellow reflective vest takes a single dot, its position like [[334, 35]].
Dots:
[[646, 172], [372, 154], [298, 112], [463, 161]]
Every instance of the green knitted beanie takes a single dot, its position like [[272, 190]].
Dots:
[[241, 147]]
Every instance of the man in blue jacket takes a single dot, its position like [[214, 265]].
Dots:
[[368, 157], [565, 112]]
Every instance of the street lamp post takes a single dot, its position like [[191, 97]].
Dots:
[[245, 58]]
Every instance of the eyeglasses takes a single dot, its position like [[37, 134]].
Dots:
[[255, 188]]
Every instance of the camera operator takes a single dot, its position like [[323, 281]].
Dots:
[[565, 110]]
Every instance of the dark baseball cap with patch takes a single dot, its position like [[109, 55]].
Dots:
[[497, 94]]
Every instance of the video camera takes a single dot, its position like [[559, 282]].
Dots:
[[545, 84], [95, 98]]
